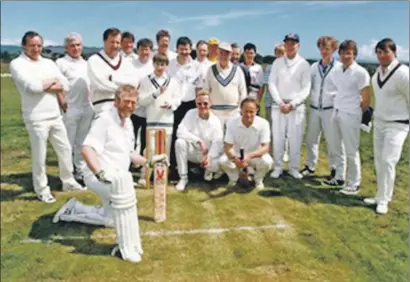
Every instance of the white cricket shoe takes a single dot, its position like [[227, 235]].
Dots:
[[350, 190], [295, 174], [208, 176], [141, 182], [382, 208], [259, 185], [66, 208], [370, 201], [276, 173], [181, 185], [46, 198], [134, 258], [72, 186]]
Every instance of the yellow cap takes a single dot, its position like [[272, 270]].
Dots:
[[213, 41]]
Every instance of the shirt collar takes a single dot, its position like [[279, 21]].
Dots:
[[24, 56], [71, 59], [392, 65], [115, 115], [102, 52], [131, 55], [254, 125], [163, 76]]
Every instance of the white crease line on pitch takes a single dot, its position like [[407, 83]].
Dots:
[[163, 233]]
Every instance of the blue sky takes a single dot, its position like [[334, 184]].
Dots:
[[263, 23]]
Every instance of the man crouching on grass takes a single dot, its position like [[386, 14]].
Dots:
[[251, 134], [108, 150]]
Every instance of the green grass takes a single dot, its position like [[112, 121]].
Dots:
[[330, 237], [4, 68]]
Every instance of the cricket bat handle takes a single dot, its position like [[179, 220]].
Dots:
[[242, 157]]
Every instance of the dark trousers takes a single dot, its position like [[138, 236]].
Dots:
[[178, 116], [139, 122]]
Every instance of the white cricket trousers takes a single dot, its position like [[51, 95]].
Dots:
[[290, 126], [346, 134], [261, 165], [39, 131], [186, 151], [320, 121], [388, 140], [78, 122]]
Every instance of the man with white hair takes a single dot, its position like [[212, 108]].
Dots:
[[199, 141], [108, 151], [107, 70], [79, 113], [289, 86], [391, 120], [225, 83], [39, 81], [250, 134]]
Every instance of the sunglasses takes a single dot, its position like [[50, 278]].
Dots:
[[202, 104]]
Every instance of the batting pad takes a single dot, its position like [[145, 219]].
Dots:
[[124, 210]]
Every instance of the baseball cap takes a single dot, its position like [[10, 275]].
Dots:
[[213, 41], [225, 46], [291, 36]]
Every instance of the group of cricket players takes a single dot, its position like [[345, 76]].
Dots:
[[96, 113]]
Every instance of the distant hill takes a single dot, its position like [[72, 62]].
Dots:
[[12, 49]]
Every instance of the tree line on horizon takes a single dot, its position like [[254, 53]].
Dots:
[[6, 58]]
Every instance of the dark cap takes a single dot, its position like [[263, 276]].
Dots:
[[291, 36]]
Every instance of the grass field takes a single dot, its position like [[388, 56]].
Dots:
[[326, 236]]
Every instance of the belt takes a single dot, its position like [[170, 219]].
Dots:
[[102, 101], [324, 108]]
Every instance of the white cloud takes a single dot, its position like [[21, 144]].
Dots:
[[7, 41], [367, 51], [217, 19], [317, 5], [17, 42]]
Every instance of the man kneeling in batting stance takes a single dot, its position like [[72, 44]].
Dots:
[[200, 136], [251, 134], [108, 150]]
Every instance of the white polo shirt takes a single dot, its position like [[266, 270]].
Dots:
[[349, 83], [75, 70], [112, 141], [391, 92], [257, 78], [129, 57], [28, 75], [187, 76], [193, 129], [247, 138]]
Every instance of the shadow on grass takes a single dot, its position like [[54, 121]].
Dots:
[[309, 191], [74, 235], [24, 181]]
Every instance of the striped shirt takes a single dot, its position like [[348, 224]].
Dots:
[[268, 97]]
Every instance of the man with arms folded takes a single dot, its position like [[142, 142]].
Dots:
[[183, 70], [250, 133], [199, 141], [321, 110], [391, 120], [225, 83], [108, 151], [144, 66], [352, 98], [127, 46], [107, 70], [79, 112], [39, 81], [289, 85], [160, 94]]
